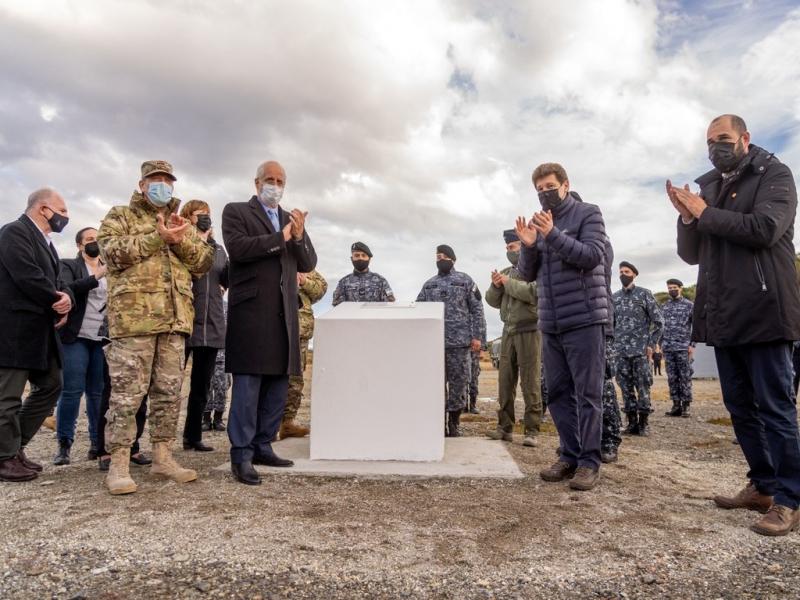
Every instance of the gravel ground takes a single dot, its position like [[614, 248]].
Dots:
[[648, 531]]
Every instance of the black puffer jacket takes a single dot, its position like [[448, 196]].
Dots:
[[747, 291], [209, 312]]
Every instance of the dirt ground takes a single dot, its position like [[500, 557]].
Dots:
[[648, 531]]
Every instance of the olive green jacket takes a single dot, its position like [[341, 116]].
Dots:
[[310, 293], [517, 303], [149, 282]]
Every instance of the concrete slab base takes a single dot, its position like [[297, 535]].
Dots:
[[469, 457]]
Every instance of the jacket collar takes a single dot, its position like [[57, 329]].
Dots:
[[564, 205], [39, 236], [261, 214], [757, 161]]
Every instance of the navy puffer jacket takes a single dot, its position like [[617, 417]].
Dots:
[[570, 268]]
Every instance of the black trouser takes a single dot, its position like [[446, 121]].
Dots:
[[19, 421], [203, 362], [657, 367], [141, 416], [796, 365]]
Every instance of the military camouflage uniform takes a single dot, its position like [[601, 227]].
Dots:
[[220, 384], [612, 419], [362, 287], [639, 324], [309, 293], [150, 315], [675, 344], [475, 363], [463, 314]]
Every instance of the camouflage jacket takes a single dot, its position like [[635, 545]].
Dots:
[[677, 325], [517, 303], [149, 282], [463, 309], [309, 293], [639, 322], [362, 287]]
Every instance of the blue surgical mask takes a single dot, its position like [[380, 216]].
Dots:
[[271, 194], [159, 193]]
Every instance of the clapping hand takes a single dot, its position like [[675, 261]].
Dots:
[[543, 222], [174, 231], [298, 222], [498, 279], [689, 205], [525, 231]]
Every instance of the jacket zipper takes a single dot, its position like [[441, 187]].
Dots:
[[761, 277]]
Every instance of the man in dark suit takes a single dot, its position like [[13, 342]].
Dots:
[[33, 304], [267, 246]]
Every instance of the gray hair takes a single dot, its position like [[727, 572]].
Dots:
[[263, 167], [39, 196]]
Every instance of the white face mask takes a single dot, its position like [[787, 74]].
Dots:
[[271, 194]]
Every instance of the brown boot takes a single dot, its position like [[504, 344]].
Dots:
[[27, 462], [291, 429], [779, 520], [749, 498], [558, 472], [118, 480], [50, 423], [585, 479], [13, 470], [164, 464]]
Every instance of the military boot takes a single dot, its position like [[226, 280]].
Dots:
[[118, 480], [500, 434], [62, 456], [291, 429], [687, 411], [644, 427], [206, 426], [633, 424], [454, 423], [676, 411], [164, 464]]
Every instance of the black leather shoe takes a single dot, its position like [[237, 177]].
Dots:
[[62, 456], [141, 459], [676, 411], [245, 473], [92, 453], [103, 463], [197, 446], [272, 461]]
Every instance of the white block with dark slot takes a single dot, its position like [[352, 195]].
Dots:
[[378, 382]]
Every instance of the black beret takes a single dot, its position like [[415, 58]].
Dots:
[[625, 263], [677, 282], [446, 250], [510, 235], [361, 247]]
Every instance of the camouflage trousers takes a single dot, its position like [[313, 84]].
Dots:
[[635, 377], [457, 367], [612, 419], [296, 385], [679, 377], [475, 371], [220, 384], [149, 365], [520, 360]]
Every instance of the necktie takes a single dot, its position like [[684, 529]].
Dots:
[[273, 217], [53, 251]]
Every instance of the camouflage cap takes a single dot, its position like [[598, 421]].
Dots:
[[152, 167]]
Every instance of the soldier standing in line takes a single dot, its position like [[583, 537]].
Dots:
[[362, 285], [311, 287], [152, 255], [463, 313], [678, 348], [521, 346], [638, 329]]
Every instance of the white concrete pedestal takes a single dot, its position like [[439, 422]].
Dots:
[[378, 382]]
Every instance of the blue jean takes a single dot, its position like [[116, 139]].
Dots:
[[83, 373], [757, 389], [257, 403], [574, 366]]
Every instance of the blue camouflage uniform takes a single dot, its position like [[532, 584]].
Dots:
[[463, 318], [363, 286], [639, 324], [675, 344]]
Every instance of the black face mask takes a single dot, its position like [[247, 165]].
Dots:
[[549, 199], [626, 280], [674, 293], [513, 257], [92, 250], [726, 156], [203, 222], [444, 266], [360, 265], [56, 221]]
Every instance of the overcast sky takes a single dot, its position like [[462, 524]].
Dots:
[[401, 124]]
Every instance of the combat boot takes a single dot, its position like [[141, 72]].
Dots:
[[609, 455], [206, 426], [687, 412], [644, 427], [633, 424], [677, 411], [454, 423], [499, 434], [292, 429], [118, 480], [473, 409], [62, 456], [164, 464]]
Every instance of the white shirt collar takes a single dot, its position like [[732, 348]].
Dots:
[[45, 235]]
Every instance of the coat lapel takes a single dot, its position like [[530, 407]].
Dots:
[[261, 215], [37, 235]]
